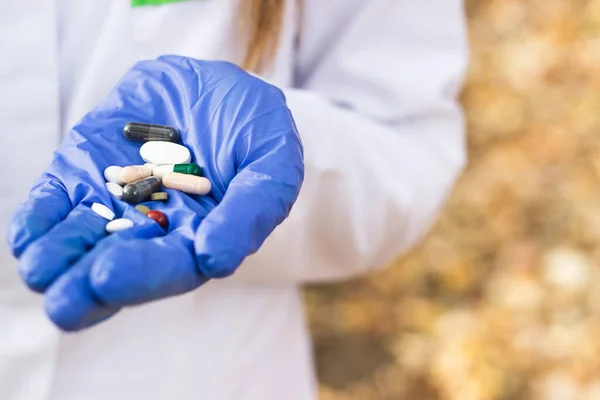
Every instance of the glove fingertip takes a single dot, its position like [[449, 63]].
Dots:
[[15, 240], [21, 231], [236, 228], [47, 205], [71, 317], [218, 260], [113, 272], [33, 280], [102, 281], [56, 309], [145, 270], [28, 268], [70, 304], [211, 268]]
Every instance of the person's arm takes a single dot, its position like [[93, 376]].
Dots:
[[383, 136]]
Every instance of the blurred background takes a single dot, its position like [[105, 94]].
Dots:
[[502, 300]]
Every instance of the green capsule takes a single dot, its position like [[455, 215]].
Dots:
[[188, 169]]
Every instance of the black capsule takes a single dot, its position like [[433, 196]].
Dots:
[[141, 190], [139, 132]]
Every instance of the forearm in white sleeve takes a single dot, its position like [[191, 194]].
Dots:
[[383, 138]]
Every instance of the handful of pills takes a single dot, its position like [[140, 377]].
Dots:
[[167, 165]]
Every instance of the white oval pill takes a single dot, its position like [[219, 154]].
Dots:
[[134, 173], [161, 153], [115, 190], [118, 225], [103, 211], [113, 174], [191, 184]]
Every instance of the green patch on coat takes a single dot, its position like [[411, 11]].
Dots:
[[141, 3]]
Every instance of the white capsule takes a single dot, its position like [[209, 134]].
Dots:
[[103, 211], [151, 166], [161, 153], [190, 184], [119, 225], [161, 170], [115, 190], [134, 173], [113, 174]]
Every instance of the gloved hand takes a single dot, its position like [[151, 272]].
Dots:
[[237, 128]]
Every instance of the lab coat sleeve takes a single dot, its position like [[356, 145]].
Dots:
[[383, 137]]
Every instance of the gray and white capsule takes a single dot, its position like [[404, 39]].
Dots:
[[141, 190]]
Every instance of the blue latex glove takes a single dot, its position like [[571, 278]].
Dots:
[[238, 129]]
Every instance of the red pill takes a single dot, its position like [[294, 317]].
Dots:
[[160, 218]]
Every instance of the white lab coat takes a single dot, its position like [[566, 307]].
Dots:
[[372, 87]]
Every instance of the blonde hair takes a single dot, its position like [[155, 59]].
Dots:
[[261, 22]]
